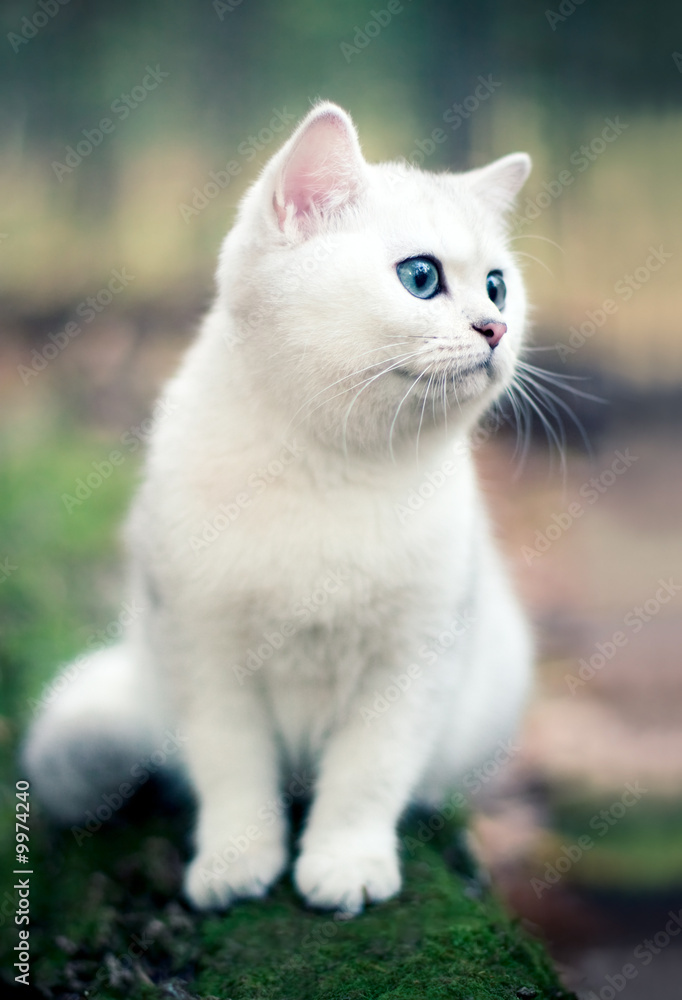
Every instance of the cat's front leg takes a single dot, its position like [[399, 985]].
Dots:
[[240, 839], [349, 851]]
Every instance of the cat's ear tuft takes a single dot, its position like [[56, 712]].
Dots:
[[320, 171], [499, 182]]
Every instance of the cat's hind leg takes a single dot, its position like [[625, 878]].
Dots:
[[95, 732]]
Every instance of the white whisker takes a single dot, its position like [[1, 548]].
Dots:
[[547, 426], [400, 359], [393, 422], [548, 395], [532, 236], [522, 428], [559, 380], [521, 253], [421, 418]]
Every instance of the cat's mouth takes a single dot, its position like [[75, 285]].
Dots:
[[458, 379], [455, 370]]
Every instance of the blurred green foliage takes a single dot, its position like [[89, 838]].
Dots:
[[232, 61], [57, 592], [230, 65], [636, 851]]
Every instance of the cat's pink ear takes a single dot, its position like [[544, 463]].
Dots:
[[321, 172], [500, 181]]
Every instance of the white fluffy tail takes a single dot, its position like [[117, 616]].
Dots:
[[96, 738]]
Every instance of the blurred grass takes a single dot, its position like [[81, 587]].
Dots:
[[56, 594], [638, 851]]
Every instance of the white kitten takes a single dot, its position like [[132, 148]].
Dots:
[[309, 547]]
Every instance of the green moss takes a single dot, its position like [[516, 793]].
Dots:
[[106, 920]]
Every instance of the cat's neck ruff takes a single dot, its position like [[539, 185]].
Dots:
[[368, 449]]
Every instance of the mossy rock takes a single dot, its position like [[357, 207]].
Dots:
[[107, 923]]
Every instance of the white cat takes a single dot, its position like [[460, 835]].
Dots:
[[309, 550]]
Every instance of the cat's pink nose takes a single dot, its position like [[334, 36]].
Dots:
[[493, 332]]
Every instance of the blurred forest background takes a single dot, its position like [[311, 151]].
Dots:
[[114, 228]]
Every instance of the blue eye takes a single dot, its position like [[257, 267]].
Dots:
[[496, 288], [420, 276]]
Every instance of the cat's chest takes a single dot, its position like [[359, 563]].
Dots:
[[337, 547]]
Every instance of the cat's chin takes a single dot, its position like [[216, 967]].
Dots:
[[461, 381]]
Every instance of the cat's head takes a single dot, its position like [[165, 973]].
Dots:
[[373, 301]]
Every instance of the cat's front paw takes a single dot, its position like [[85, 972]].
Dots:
[[214, 883], [345, 874]]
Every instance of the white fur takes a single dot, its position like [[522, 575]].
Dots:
[[328, 549]]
